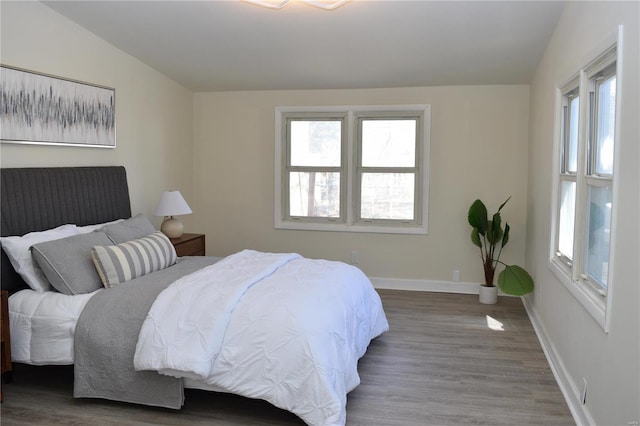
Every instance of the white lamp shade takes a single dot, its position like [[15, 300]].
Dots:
[[172, 204]]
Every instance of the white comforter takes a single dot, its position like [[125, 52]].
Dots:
[[277, 327]]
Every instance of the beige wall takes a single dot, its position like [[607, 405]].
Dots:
[[609, 362], [478, 149], [153, 113]]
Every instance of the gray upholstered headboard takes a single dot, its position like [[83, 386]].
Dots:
[[36, 199]]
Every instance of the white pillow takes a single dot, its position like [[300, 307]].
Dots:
[[90, 228], [19, 253]]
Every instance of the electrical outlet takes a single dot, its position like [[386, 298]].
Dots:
[[355, 257], [456, 275], [583, 396]]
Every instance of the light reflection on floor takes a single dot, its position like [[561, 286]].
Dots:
[[494, 324]]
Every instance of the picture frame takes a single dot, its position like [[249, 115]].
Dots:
[[42, 109]]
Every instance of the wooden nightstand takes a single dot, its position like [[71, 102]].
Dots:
[[5, 337], [189, 245]]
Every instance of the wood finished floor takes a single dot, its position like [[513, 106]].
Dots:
[[440, 364]]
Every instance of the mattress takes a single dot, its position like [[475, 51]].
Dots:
[[42, 326]]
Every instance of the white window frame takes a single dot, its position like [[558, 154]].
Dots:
[[570, 273], [567, 93], [342, 169], [350, 221]]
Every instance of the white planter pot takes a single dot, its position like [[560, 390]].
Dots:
[[488, 295]]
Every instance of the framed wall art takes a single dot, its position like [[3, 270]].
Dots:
[[47, 110]]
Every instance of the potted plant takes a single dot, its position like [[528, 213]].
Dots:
[[489, 236]]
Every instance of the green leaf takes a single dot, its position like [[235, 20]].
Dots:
[[475, 237], [505, 237], [497, 227], [494, 232], [515, 281], [478, 216], [503, 204], [490, 233], [497, 220]]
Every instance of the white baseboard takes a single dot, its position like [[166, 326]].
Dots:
[[428, 285], [425, 285], [568, 387]]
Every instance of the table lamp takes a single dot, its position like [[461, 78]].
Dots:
[[172, 204]]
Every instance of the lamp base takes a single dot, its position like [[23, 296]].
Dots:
[[172, 227]]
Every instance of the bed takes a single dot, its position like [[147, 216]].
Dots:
[[272, 326]]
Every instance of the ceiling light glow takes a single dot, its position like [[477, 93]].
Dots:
[[326, 5]]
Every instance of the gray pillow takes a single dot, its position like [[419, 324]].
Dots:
[[67, 262], [131, 229]]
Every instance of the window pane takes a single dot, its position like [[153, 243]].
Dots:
[[567, 218], [572, 149], [315, 143], [606, 125], [599, 226], [388, 143], [387, 196], [314, 194]]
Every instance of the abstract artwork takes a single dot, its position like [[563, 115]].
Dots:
[[48, 110]]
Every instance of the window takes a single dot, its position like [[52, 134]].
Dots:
[[357, 169], [585, 182], [568, 174], [315, 167], [599, 176]]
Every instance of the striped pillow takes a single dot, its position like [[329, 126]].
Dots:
[[123, 262]]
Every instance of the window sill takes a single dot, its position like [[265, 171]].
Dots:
[[593, 303], [339, 227]]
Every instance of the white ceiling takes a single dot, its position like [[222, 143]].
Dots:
[[233, 45]]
